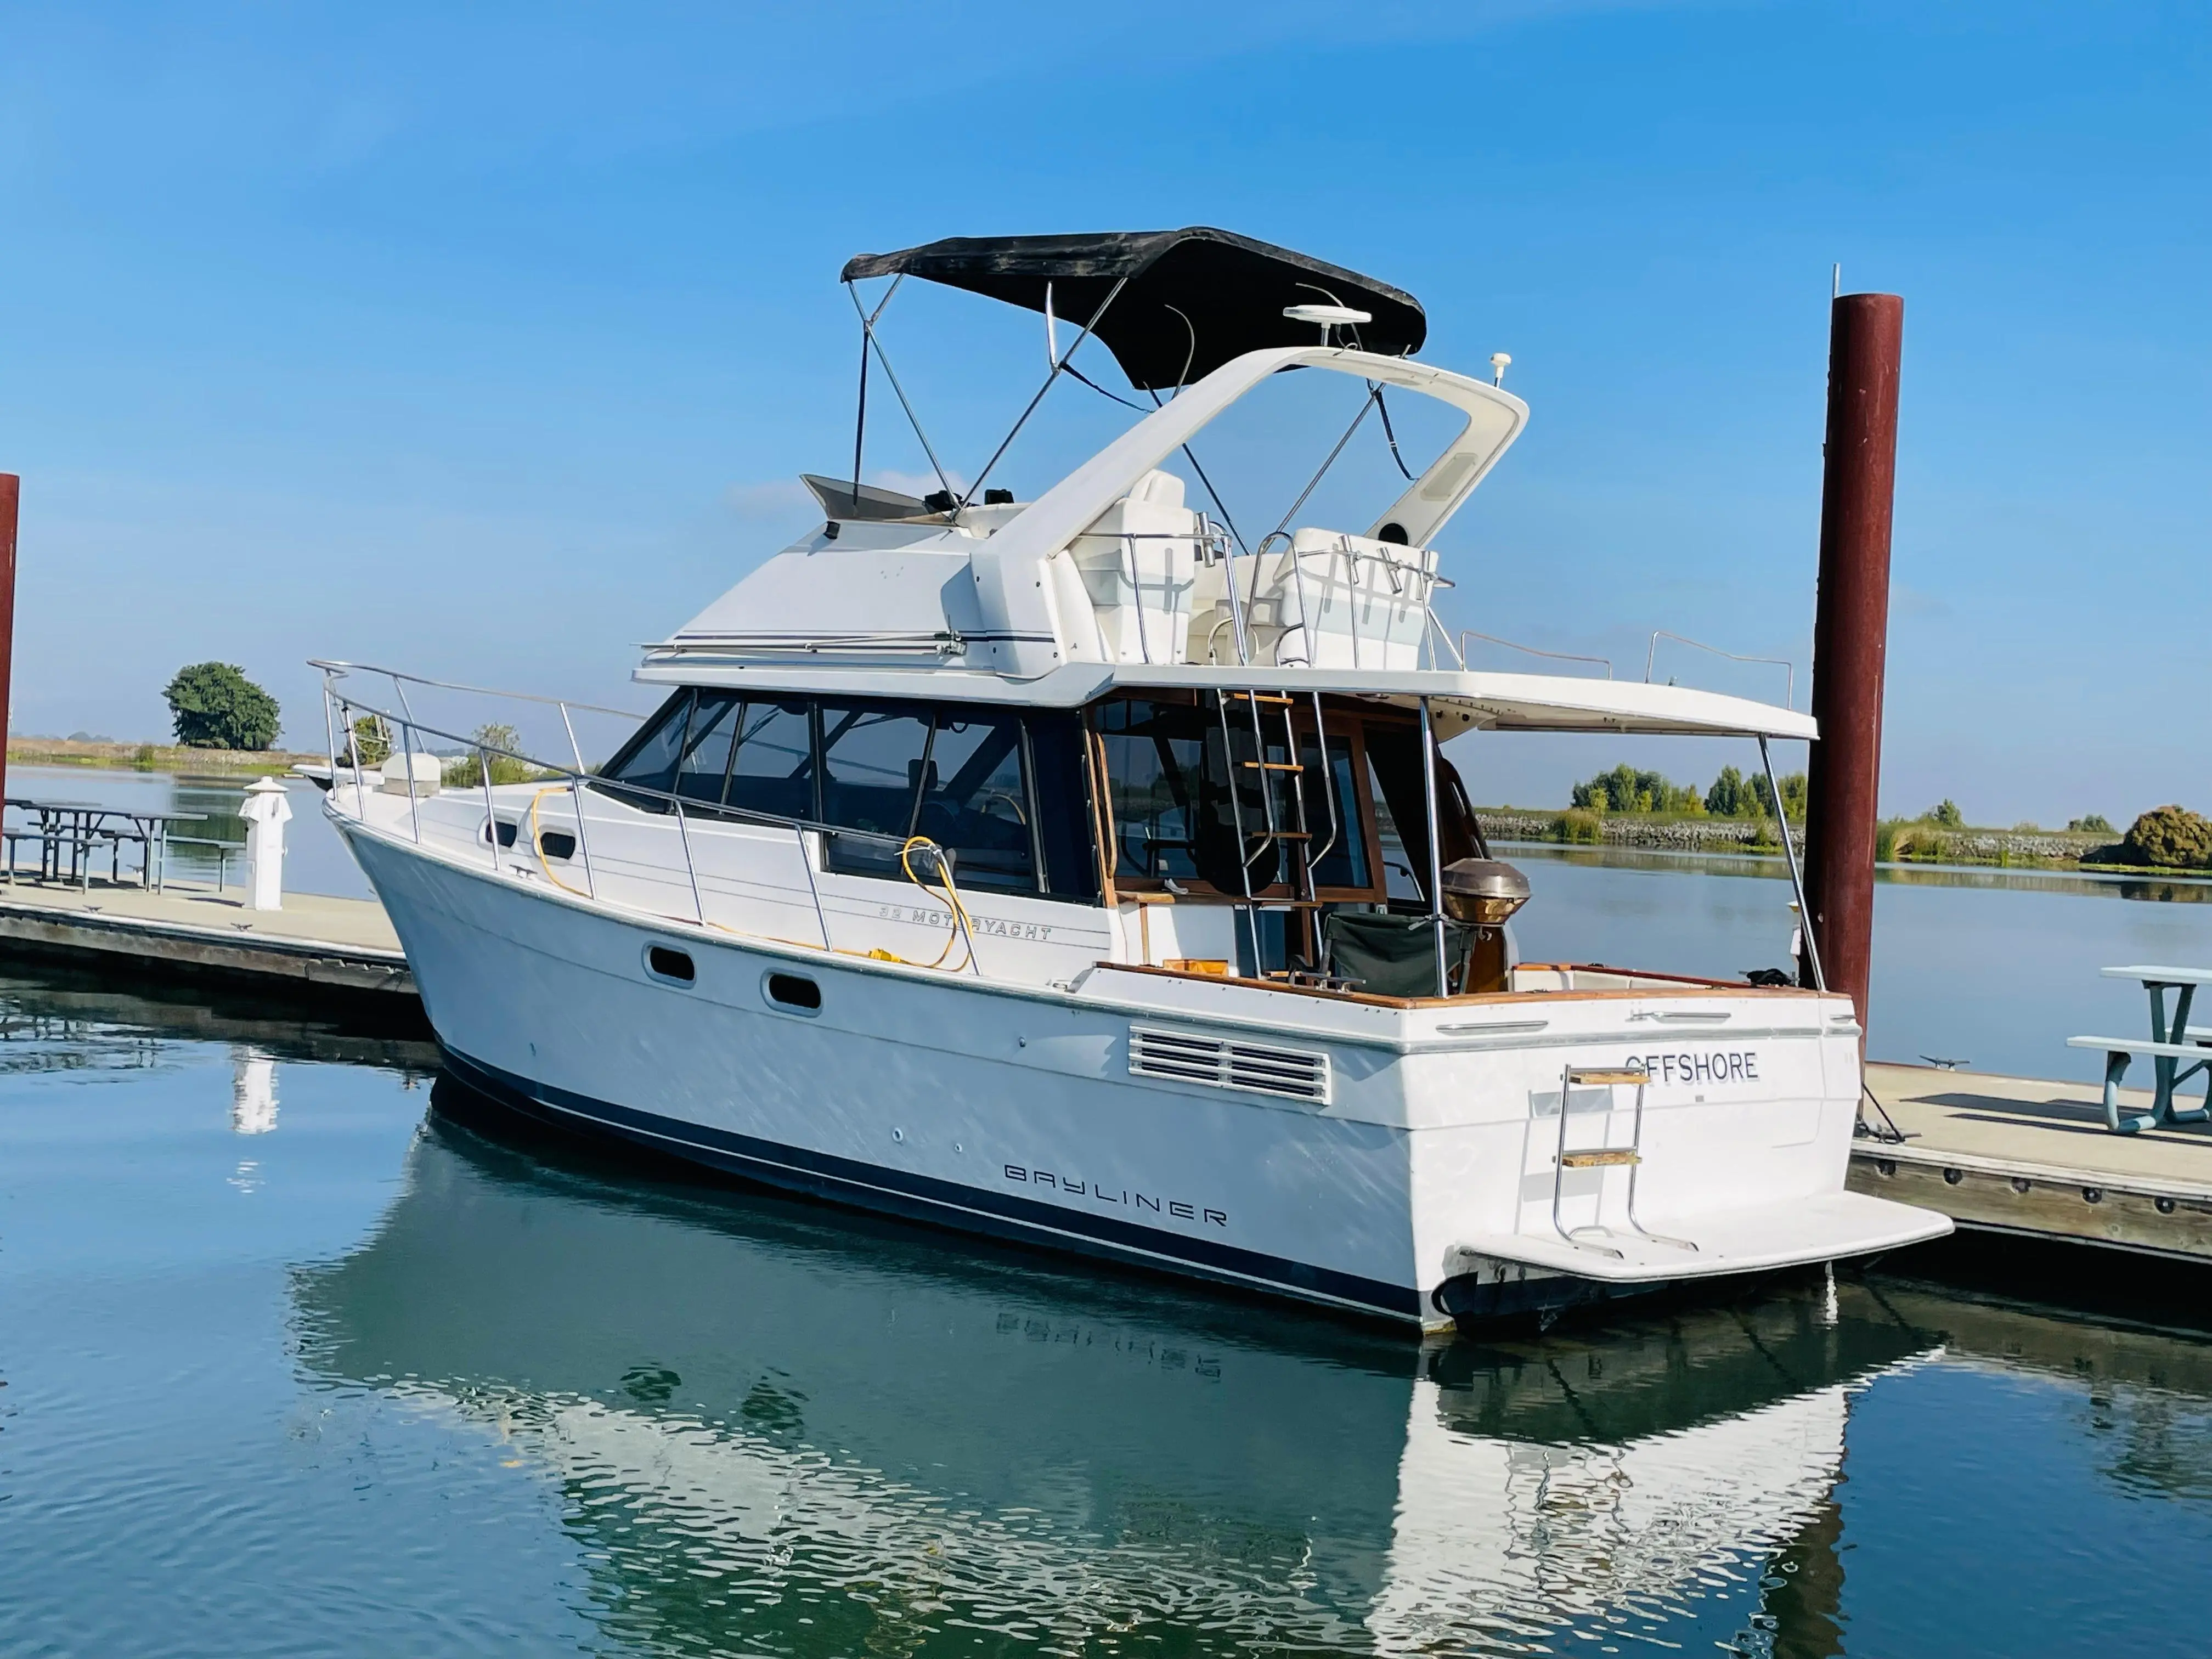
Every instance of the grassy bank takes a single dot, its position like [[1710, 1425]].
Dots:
[[152, 756], [1895, 842]]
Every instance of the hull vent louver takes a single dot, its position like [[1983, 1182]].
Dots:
[[1186, 1057]]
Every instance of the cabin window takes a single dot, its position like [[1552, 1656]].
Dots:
[[793, 991], [1006, 793], [557, 844], [503, 828], [662, 962], [649, 758], [1168, 774], [702, 771], [975, 802], [772, 769], [873, 760], [1341, 862], [1061, 813], [1394, 757]]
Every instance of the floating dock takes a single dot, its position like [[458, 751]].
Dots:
[[2025, 1157], [314, 947]]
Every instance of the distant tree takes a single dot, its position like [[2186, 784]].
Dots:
[[215, 706], [497, 745], [1793, 795], [1625, 790], [2096, 823], [2171, 838], [372, 740], [1945, 815], [1730, 797]]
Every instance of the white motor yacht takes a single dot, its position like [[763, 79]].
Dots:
[[1071, 870]]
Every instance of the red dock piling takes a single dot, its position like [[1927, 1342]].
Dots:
[[1851, 634]]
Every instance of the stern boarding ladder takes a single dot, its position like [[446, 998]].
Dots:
[[1285, 831], [1602, 1157]]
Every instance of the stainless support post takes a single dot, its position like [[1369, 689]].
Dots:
[[406, 729], [407, 754], [583, 842], [577, 787], [491, 812], [684, 835], [1236, 606], [1796, 884], [1436, 854]]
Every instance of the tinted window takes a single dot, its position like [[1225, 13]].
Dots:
[[1167, 775], [1393, 758], [670, 964], [773, 770], [873, 756], [649, 758], [706, 754], [1059, 787], [973, 798], [794, 990], [1343, 863]]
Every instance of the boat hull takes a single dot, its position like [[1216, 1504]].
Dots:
[[1006, 1111]]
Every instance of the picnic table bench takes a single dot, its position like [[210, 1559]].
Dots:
[[69, 834], [2172, 1041]]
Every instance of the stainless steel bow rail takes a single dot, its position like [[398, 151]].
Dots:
[[341, 711]]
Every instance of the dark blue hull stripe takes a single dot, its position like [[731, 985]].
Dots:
[[1005, 1215]]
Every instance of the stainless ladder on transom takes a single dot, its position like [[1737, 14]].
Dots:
[[1284, 830], [1603, 1156]]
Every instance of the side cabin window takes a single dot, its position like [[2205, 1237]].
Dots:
[[1004, 791], [649, 758]]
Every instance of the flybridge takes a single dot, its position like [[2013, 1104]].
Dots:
[[1113, 565]]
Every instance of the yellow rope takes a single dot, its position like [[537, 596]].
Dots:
[[963, 928]]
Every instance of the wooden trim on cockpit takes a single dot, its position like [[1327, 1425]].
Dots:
[[1680, 985]]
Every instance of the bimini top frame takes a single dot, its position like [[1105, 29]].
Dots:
[[1172, 305]]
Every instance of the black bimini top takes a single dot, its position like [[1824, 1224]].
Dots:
[[1194, 299]]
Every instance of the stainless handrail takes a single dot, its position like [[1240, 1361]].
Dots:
[[340, 669], [1790, 691], [1467, 634], [577, 780]]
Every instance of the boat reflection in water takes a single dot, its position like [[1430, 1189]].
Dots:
[[772, 1426]]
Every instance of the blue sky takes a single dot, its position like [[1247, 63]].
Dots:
[[487, 340]]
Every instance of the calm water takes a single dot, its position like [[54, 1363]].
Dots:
[[295, 1362]]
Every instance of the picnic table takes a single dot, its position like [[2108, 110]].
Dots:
[[2172, 1041], [70, 832]]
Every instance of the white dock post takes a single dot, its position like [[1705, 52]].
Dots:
[[267, 810]]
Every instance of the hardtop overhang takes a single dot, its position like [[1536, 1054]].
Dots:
[[1459, 701]]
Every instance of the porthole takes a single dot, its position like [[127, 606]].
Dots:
[[557, 844], [506, 831], [665, 962], [794, 992]]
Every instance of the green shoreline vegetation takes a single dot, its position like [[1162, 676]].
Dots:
[[1626, 807]]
